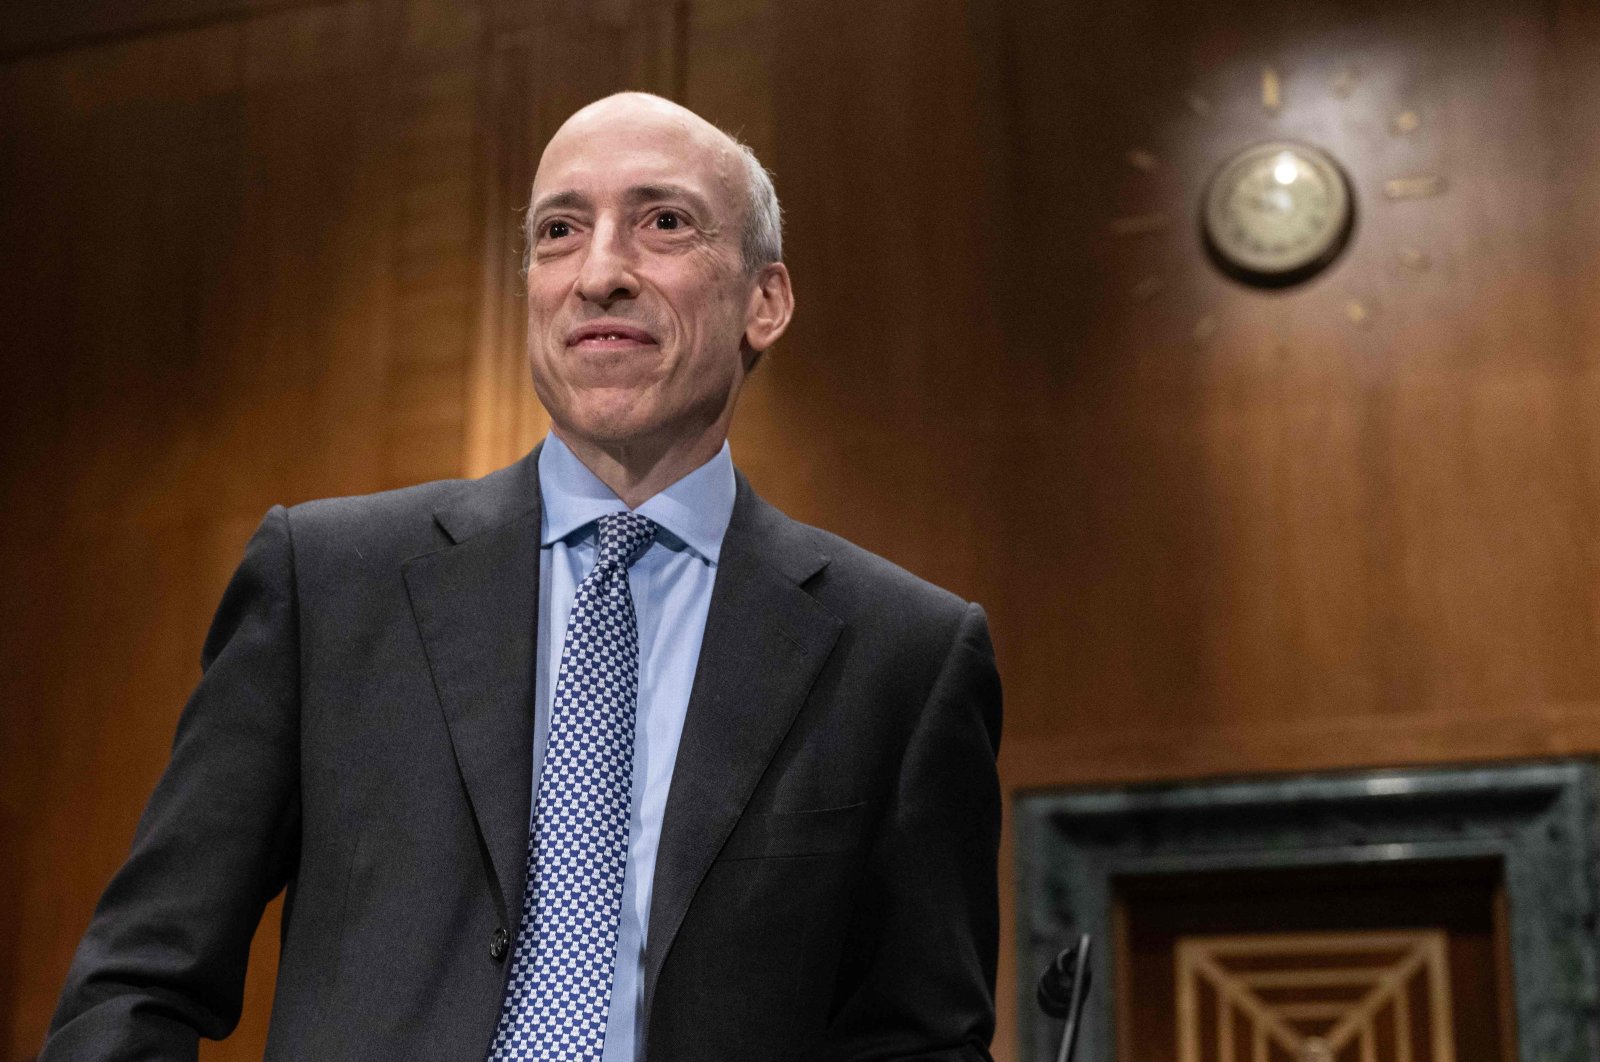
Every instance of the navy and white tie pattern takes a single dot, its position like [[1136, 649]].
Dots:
[[559, 994]]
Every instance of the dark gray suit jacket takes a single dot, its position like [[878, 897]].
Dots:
[[825, 887]]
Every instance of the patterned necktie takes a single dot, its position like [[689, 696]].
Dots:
[[559, 993]]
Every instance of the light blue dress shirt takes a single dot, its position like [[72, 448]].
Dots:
[[671, 586]]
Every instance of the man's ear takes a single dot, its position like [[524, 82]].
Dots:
[[767, 316]]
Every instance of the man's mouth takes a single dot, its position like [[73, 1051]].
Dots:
[[609, 337]]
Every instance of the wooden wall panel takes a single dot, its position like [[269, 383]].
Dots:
[[241, 270], [32, 27], [1333, 543]]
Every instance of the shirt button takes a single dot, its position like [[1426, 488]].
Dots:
[[497, 945]]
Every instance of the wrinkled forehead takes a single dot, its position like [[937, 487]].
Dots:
[[601, 153]]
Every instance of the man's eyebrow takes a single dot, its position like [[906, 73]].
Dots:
[[567, 200], [650, 193]]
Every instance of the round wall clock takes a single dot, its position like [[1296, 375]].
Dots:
[[1277, 213]]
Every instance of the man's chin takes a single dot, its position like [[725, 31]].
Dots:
[[616, 420], [610, 428]]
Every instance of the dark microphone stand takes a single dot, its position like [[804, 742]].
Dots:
[[1062, 990]]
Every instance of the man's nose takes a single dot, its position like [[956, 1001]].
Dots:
[[607, 274]]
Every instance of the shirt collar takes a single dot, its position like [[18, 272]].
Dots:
[[695, 510]]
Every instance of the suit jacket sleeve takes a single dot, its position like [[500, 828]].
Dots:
[[163, 960], [924, 984]]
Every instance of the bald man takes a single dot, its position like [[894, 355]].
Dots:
[[596, 757]]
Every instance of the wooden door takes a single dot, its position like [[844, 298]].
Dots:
[[1403, 963]]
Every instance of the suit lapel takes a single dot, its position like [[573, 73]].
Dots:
[[765, 640], [476, 606]]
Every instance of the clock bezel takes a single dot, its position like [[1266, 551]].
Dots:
[[1213, 204]]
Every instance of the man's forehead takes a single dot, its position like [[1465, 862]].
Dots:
[[633, 142], [598, 170]]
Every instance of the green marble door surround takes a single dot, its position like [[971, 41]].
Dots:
[[1538, 819]]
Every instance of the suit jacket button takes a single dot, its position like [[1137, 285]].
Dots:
[[497, 945]]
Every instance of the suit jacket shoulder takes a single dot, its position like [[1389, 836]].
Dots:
[[855, 584], [397, 524]]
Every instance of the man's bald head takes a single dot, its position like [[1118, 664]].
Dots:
[[761, 228]]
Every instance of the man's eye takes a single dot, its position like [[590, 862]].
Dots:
[[557, 229], [666, 221]]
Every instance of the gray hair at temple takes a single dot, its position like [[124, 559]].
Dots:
[[760, 242]]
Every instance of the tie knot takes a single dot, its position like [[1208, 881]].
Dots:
[[623, 536]]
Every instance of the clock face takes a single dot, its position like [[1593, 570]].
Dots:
[[1277, 213]]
